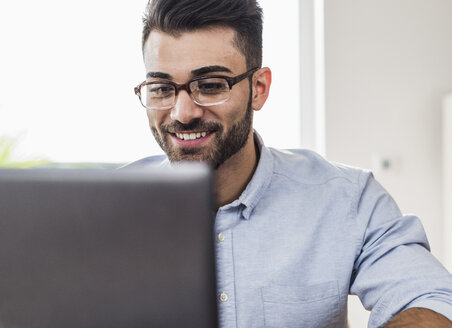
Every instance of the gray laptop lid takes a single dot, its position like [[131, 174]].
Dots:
[[98, 248]]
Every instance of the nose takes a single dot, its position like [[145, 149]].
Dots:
[[185, 110]]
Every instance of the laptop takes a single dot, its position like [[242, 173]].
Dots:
[[107, 248]]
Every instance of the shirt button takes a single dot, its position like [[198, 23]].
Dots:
[[224, 297], [221, 237]]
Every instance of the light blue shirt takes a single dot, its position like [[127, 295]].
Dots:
[[305, 234]]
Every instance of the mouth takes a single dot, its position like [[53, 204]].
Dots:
[[196, 134], [191, 136]]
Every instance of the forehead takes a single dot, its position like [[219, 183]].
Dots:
[[188, 51]]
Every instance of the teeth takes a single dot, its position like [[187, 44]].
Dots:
[[191, 136]]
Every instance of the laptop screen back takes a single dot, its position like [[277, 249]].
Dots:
[[97, 248]]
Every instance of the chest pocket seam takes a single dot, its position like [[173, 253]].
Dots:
[[326, 293], [299, 294]]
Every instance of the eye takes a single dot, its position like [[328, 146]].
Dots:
[[160, 90], [212, 86]]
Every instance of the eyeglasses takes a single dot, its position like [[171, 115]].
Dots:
[[205, 91]]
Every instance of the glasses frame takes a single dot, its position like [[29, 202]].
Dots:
[[186, 86]]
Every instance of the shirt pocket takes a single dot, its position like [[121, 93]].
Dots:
[[314, 306]]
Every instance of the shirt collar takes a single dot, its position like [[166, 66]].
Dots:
[[258, 184]]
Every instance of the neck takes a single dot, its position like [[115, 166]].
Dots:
[[232, 177]]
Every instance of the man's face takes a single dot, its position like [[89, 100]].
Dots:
[[189, 132]]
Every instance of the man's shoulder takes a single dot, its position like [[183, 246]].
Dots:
[[312, 168], [151, 161]]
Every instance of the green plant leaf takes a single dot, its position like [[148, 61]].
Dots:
[[7, 159], [6, 147]]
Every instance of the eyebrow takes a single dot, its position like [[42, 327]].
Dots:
[[159, 75], [209, 69], [195, 73]]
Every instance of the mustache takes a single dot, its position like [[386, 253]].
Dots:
[[194, 125]]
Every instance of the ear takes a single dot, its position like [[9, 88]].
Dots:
[[262, 79]]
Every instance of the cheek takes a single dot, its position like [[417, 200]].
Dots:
[[233, 115], [237, 107], [154, 118]]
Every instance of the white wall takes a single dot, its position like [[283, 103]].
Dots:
[[279, 121], [388, 66], [447, 180], [68, 69]]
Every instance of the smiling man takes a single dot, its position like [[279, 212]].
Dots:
[[208, 117], [295, 233]]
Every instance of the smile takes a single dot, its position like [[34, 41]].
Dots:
[[191, 136]]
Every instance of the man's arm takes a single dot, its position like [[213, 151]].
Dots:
[[394, 268], [419, 318]]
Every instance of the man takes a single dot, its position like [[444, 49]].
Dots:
[[295, 233]]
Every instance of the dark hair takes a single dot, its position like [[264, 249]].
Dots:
[[177, 16]]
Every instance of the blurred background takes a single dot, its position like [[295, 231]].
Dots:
[[367, 83]]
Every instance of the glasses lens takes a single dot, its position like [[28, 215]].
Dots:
[[158, 95], [210, 91]]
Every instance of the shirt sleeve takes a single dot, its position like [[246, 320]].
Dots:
[[394, 269]]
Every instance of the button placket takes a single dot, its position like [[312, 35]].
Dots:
[[225, 268]]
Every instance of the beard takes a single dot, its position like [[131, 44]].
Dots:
[[225, 144]]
